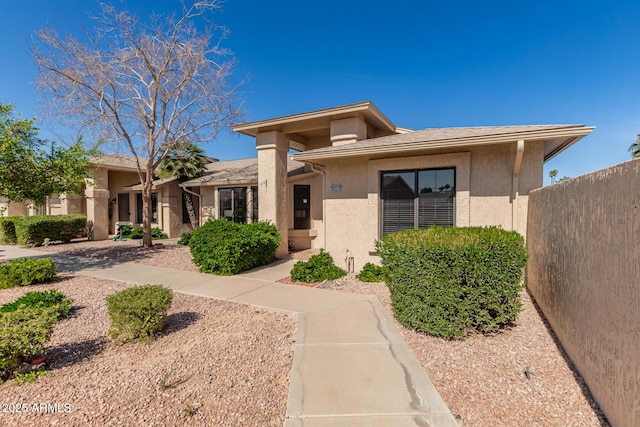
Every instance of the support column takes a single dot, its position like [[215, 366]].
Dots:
[[272, 149], [71, 203], [98, 205]]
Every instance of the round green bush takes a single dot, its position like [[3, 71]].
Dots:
[[450, 281], [139, 312], [224, 247]]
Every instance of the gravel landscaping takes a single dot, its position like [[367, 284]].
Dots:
[[481, 378], [216, 363]]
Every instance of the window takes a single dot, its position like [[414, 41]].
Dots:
[[154, 208], [417, 199], [233, 204], [254, 204]]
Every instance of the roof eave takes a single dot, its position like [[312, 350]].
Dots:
[[252, 128], [573, 134]]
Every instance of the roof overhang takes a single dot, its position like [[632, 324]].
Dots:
[[555, 140], [319, 119]]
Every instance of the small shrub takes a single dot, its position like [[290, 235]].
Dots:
[[372, 273], [224, 247], [8, 231], [139, 312], [137, 233], [450, 281], [26, 271], [320, 267], [23, 333], [33, 230], [185, 238], [41, 300]]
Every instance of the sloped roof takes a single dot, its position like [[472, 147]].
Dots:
[[237, 172], [118, 162], [559, 137]]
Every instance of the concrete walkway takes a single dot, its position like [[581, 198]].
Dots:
[[351, 365]]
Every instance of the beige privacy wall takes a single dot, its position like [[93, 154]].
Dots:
[[584, 243]]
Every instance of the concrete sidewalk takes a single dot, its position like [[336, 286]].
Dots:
[[351, 365]]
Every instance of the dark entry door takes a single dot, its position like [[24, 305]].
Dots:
[[301, 207], [123, 207]]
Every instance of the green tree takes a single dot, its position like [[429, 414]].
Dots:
[[553, 174], [31, 169], [634, 149], [184, 161], [146, 84]]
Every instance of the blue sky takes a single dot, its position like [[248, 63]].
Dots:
[[424, 64]]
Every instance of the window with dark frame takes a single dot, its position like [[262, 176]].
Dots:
[[154, 208], [254, 204], [417, 198], [233, 204]]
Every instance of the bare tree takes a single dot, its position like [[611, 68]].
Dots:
[[144, 84]]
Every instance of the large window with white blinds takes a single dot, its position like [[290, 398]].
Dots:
[[417, 198]]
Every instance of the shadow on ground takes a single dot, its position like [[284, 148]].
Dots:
[[69, 354], [178, 321]]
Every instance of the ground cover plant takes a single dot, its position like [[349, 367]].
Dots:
[[129, 232], [138, 313], [225, 248], [26, 271], [41, 300], [318, 268], [185, 237], [450, 281], [372, 273]]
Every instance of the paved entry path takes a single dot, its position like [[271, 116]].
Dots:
[[351, 365]]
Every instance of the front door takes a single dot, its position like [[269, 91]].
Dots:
[[301, 207], [123, 207]]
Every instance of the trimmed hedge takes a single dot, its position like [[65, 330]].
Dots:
[[23, 332], [8, 230], [33, 230], [225, 248], [26, 271], [450, 281], [139, 312], [318, 268]]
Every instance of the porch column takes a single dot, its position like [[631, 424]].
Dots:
[[71, 203], [272, 149], [98, 205]]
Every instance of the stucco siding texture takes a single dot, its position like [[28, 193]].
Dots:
[[346, 211], [584, 243], [484, 184]]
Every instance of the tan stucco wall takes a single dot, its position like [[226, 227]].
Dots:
[[484, 193], [584, 243]]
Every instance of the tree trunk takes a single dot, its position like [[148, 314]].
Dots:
[[193, 219], [146, 211]]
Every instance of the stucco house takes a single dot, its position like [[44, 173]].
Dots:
[[341, 178]]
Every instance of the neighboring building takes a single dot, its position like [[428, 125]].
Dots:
[[354, 177]]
